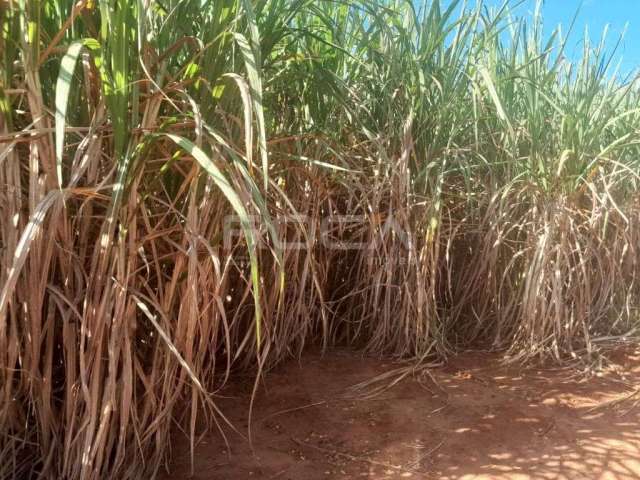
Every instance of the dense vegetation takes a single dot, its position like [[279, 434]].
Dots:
[[129, 130]]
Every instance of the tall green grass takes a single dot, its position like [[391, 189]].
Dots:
[[130, 130]]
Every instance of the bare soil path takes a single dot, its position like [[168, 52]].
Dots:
[[480, 419]]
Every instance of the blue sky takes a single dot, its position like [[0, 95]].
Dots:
[[594, 14]]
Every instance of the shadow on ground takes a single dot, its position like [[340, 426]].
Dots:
[[474, 418]]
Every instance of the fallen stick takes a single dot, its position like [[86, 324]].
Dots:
[[289, 410], [356, 458], [425, 455], [615, 401]]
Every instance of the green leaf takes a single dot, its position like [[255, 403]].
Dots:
[[255, 82], [227, 190], [493, 93], [63, 86]]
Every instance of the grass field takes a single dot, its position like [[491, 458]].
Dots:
[[450, 178]]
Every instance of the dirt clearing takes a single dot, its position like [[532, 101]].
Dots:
[[479, 419]]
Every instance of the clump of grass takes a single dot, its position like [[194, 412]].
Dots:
[[492, 182]]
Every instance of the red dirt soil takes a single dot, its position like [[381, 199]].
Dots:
[[479, 419]]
